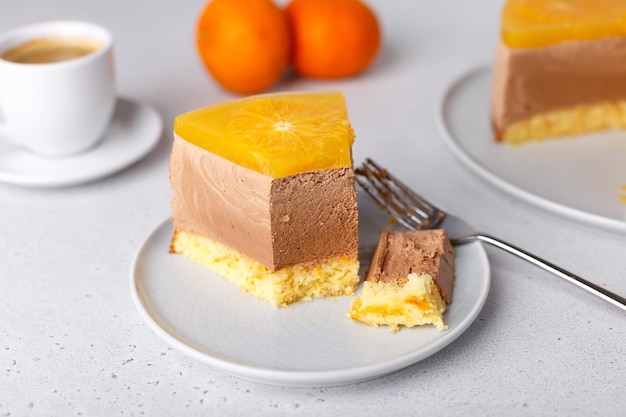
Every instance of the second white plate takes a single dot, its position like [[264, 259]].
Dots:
[[308, 344], [580, 178]]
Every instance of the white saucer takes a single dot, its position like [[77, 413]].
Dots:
[[579, 177], [134, 130], [307, 344]]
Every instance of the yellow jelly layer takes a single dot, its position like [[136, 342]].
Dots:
[[538, 23], [275, 134]]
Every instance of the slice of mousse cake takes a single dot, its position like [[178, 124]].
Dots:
[[559, 69], [264, 195]]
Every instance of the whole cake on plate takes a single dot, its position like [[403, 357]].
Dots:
[[559, 69], [409, 281], [264, 194]]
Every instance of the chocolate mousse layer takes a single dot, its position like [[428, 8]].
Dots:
[[528, 81], [278, 222], [421, 251]]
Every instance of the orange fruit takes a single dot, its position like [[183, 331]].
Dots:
[[244, 44], [277, 134], [332, 38]]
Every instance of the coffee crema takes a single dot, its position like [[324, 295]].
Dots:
[[49, 50]]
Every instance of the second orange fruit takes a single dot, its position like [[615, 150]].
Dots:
[[332, 38]]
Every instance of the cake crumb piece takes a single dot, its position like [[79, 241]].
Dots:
[[409, 282]]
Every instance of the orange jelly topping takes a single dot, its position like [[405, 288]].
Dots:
[[537, 23], [275, 134]]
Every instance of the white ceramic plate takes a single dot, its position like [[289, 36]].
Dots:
[[580, 178], [134, 130], [307, 344]]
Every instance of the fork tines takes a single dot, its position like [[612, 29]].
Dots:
[[407, 207]]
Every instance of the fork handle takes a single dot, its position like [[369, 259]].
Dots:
[[548, 266]]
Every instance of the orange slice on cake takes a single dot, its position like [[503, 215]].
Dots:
[[537, 23], [277, 135]]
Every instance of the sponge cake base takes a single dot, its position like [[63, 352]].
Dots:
[[299, 282], [566, 122], [415, 302]]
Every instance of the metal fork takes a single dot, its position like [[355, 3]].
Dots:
[[414, 212]]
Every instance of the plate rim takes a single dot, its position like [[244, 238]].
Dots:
[[580, 216], [303, 378]]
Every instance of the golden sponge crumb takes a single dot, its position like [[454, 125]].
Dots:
[[301, 282], [414, 302], [567, 122], [622, 197]]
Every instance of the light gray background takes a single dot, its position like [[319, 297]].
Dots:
[[72, 343]]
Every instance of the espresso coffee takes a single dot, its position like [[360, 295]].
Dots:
[[48, 50]]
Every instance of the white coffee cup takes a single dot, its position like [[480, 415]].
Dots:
[[61, 106]]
